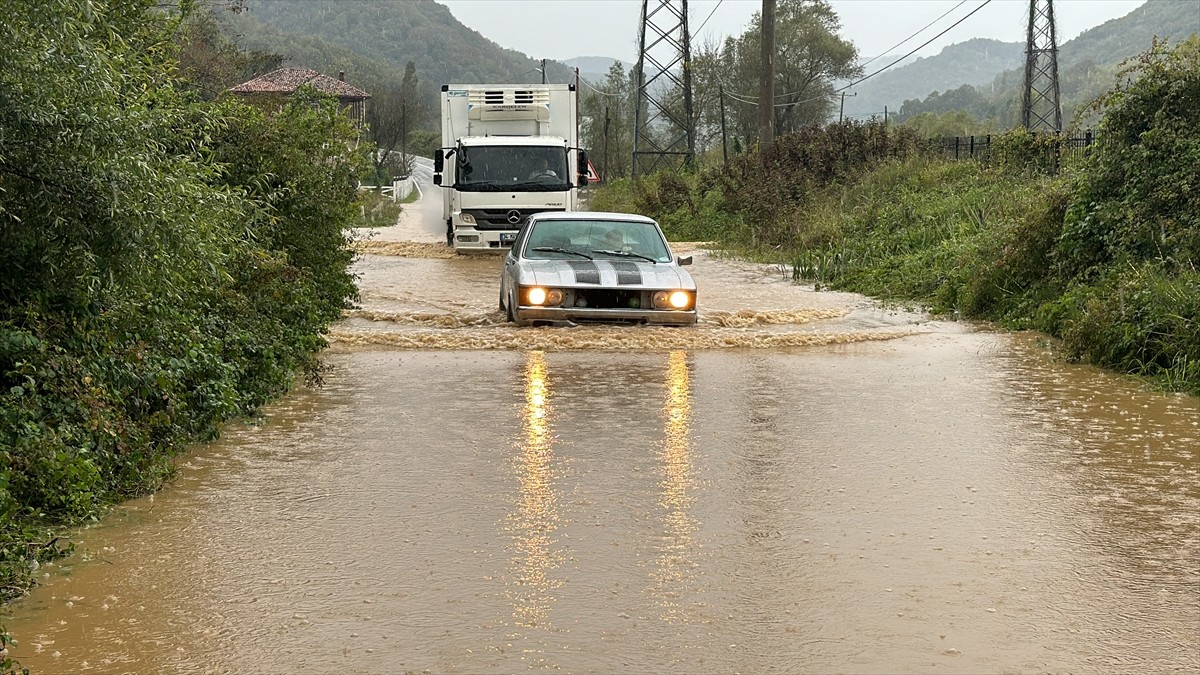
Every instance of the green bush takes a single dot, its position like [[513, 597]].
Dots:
[[377, 209], [166, 264], [1137, 197]]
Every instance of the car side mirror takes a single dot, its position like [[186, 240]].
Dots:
[[681, 260]]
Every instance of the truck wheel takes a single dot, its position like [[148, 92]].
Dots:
[[449, 232]]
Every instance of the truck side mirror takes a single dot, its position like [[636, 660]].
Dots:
[[439, 163], [581, 165]]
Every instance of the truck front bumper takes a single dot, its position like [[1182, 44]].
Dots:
[[469, 239]]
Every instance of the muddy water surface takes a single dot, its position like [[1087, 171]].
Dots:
[[801, 483]]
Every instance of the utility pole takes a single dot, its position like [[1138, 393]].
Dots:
[[543, 71], [842, 110], [663, 135], [724, 135], [606, 167], [766, 86], [1041, 108]]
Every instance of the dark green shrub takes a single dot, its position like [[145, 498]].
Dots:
[[1137, 196], [165, 265]]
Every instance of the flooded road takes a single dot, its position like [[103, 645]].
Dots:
[[803, 482]]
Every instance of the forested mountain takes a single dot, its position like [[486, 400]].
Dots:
[[974, 62], [373, 40], [1086, 67]]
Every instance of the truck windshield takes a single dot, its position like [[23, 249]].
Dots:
[[512, 168]]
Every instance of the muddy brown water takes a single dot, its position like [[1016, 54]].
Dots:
[[803, 482]]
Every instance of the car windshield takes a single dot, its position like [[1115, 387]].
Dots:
[[598, 239]]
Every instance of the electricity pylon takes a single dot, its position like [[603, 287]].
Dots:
[[1041, 109], [663, 134]]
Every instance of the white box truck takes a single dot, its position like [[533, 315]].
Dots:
[[508, 151]]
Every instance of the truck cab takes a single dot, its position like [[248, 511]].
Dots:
[[508, 152]]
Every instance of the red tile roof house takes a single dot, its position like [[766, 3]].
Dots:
[[285, 82]]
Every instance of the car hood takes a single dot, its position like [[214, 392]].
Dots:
[[605, 272]]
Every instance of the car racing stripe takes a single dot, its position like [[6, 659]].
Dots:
[[586, 271], [628, 273]]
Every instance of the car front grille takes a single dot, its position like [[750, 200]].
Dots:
[[605, 298]]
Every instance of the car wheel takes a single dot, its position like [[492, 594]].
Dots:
[[508, 312]]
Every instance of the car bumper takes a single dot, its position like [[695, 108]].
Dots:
[[526, 315]]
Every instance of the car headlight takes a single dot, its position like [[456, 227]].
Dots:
[[543, 297], [467, 218], [672, 299]]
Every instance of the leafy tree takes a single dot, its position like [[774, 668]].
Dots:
[[810, 57], [394, 113], [606, 125], [210, 62]]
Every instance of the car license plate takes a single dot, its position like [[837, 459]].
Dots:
[[507, 238]]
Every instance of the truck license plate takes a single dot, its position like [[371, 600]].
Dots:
[[507, 238]]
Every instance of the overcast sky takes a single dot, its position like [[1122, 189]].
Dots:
[[564, 29]]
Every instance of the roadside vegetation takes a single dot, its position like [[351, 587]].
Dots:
[[1101, 253], [167, 264], [378, 209]]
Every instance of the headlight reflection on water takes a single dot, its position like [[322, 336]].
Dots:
[[675, 566], [536, 519]]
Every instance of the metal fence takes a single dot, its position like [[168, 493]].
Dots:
[[1044, 149]]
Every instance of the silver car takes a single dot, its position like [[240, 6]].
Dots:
[[595, 267]]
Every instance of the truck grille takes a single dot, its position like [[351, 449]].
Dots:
[[499, 219]]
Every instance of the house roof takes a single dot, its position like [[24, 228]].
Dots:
[[288, 80]]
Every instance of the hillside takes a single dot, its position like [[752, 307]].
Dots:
[[975, 62], [373, 40], [1086, 66]]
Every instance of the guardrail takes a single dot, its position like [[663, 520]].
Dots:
[[399, 190]]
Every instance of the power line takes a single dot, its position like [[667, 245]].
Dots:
[[515, 78], [714, 11], [867, 77], [754, 101], [602, 93], [898, 44], [923, 45]]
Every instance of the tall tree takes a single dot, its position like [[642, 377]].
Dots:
[[394, 112], [607, 122], [810, 56], [210, 62]]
